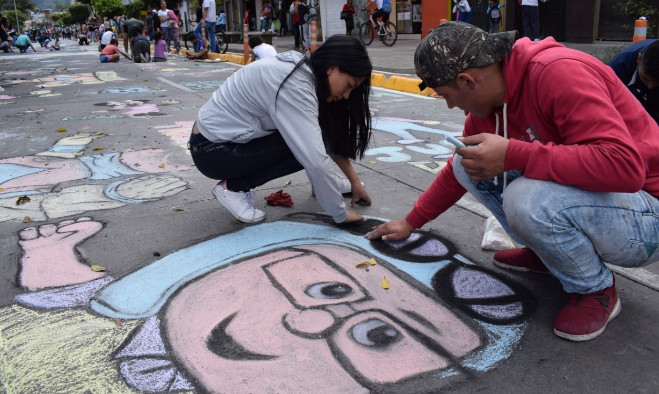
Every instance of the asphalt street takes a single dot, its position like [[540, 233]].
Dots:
[[121, 273]]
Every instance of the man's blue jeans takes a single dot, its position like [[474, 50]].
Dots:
[[210, 34], [573, 231]]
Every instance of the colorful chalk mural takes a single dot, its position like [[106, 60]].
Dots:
[[296, 305]]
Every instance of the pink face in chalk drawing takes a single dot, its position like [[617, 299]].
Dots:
[[306, 316]]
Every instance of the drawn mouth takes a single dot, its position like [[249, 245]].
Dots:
[[223, 344]]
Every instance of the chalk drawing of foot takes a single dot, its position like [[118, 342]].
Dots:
[[50, 258]]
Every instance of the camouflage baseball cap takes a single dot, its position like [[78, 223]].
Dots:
[[453, 47]]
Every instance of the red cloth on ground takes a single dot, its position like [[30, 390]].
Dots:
[[280, 198]]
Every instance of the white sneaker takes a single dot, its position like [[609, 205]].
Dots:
[[342, 182], [241, 205]]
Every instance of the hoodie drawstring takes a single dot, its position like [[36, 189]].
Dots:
[[505, 135]]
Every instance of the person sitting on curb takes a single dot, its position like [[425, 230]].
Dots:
[[111, 51], [23, 42], [554, 165], [261, 50], [637, 66], [200, 49]]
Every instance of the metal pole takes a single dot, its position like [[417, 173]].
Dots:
[[18, 30]]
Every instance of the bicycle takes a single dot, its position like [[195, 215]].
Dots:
[[386, 31], [221, 38]]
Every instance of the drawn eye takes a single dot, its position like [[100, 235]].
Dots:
[[375, 333], [329, 290]]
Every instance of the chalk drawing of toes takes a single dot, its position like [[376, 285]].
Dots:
[[50, 257]]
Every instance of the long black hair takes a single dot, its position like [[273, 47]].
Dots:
[[345, 124]]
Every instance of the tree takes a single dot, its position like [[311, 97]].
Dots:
[[636, 9], [80, 13], [133, 9], [108, 8], [11, 17], [67, 19]]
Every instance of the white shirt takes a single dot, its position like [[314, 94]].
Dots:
[[264, 50], [106, 37], [211, 15], [164, 14]]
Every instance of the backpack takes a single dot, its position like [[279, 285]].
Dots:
[[386, 6], [310, 15], [495, 13]]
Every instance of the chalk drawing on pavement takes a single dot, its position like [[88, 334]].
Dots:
[[284, 296], [64, 181]]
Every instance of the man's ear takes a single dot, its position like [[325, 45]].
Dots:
[[638, 60], [467, 79]]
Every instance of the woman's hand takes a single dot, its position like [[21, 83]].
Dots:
[[353, 217], [359, 195], [395, 230]]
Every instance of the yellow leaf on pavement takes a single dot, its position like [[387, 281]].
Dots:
[[384, 283], [98, 148], [27, 219], [162, 165], [366, 263], [97, 268], [61, 129]]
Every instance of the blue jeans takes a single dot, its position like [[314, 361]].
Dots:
[[573, 231], [210, 34], [244, 166]]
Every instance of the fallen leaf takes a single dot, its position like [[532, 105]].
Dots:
[[27, 219], [98, 148], [236, 221], [22, 200], [100, 132], [117, 322], [78, 153], [61, 129], [97, 268], [373, 162], [1, 190], [287, 183], [162, 165], [384, 283], [178, 209], [366, 263]]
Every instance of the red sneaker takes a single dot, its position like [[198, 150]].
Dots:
[[585, 316], [523, 259]]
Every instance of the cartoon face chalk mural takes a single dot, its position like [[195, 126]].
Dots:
[[287, 298]]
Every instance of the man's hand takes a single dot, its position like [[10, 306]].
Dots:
[[485, 155], [395, 230]]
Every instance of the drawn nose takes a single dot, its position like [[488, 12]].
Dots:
[[309, 322]]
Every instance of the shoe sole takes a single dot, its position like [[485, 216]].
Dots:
[[587, 337], [234, 214], [519, 269]]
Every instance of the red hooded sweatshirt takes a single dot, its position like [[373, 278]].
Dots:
[[570, 120]]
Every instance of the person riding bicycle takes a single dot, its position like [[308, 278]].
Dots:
[[383, 9]]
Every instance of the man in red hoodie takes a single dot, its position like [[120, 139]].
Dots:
[[559, 150]]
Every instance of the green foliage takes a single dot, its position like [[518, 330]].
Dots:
[[21, 5], [11, 17], [67, 19], [80, 13], [133, 9], [638, 8], [108, 8]]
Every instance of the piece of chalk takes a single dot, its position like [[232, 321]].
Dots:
[[455, 141]]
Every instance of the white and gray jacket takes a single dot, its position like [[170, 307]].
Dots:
[[244, 108]]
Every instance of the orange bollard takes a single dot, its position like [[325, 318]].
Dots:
[[640, 29], [245, 44], [314, 40]]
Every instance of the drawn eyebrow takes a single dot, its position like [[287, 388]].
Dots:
[[222, 344]]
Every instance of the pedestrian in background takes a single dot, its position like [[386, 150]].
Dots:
[[347, 13], [283, 20], [306, 109], [555, 166], [165, 20], [637, 66], [295, 21], [261, 50], [208, 19], [531, 19], [463, 10], [494, 15], [222, 21]]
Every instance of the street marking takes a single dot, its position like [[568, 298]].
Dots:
[[639, 275], [176, 85]]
